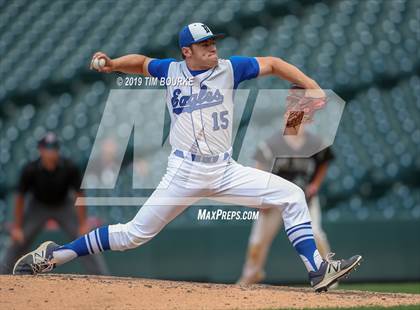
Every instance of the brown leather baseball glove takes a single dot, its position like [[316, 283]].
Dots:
[[300, 109]]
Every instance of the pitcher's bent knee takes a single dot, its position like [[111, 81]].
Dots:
[[127, 236], [296, 210], [285, 194], [297, 198]]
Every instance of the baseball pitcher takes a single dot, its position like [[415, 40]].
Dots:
[[200, 163]]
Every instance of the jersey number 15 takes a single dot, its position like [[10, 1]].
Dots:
[[224, 121]]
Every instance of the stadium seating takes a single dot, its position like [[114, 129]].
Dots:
[[320, 38], [349, 46]]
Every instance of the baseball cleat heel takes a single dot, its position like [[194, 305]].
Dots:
[[331, 271], [37, 261]]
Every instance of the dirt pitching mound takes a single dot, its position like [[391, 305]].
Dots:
[[94, 292]]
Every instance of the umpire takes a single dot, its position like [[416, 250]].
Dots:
[[47, 190]]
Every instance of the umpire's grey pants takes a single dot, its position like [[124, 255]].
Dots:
[[35, 217]]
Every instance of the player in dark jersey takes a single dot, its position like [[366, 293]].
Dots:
[[308, 173], [47, 189]]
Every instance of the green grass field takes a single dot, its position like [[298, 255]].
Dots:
[[369, 308], [411, 288]]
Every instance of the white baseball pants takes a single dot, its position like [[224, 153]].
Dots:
[[187, 181]]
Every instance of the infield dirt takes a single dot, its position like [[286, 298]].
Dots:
[[95, 292]]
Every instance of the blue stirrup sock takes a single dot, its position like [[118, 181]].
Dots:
[[94, 242], [302, 238]]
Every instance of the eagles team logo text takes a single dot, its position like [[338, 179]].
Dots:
[[204, 99]]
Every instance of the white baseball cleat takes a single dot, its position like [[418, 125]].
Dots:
[[37, 261], [331, 271]]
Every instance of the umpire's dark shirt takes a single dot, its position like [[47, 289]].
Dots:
[[49, 187]]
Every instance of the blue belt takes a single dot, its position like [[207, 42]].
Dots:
[[208, 159]]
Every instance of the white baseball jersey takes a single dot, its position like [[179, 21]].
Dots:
[[201, 118], [201, 114]]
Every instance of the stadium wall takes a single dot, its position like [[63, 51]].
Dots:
[[216, 253]]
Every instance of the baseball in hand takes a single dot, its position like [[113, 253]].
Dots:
[[99, 63]]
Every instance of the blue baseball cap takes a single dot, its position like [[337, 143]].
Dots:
[[195, 33]]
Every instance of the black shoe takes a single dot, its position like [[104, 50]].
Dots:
[[331, 271], [36, 261]]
